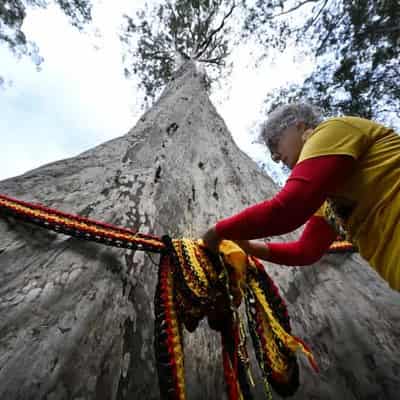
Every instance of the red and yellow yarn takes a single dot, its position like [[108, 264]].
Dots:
[[75, 225], [168, 339], [341, 245], [193, 285]]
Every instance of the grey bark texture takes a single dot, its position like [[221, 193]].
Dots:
[[77, 317]]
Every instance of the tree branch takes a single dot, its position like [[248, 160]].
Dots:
[[313, 20], [296, 7], [211, 49], [207, 25], [325, 39], [206, 43], [377, 29], [174, 32], [216, 61], [192, 34], [198, 27], [396, 71]]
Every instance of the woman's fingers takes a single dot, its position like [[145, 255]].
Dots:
[[211, 240]]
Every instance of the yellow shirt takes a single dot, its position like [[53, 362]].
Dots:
[[369, 199]]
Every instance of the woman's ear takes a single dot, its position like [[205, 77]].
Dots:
[[306, 134], [301, 126]]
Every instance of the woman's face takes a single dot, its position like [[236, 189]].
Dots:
[[289, 144]]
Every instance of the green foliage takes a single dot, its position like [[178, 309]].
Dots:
[[263, 23], [12, 15], [182, 29], [356, 44], [78, 11], [357, 48]]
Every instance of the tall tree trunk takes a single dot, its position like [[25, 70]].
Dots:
[[77, 317]]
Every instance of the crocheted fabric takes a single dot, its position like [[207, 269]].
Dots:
[[197, 285], [194, 284]]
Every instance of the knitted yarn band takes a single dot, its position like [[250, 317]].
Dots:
[[194, 284]]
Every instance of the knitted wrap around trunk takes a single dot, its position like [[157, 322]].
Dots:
[[77, 317]]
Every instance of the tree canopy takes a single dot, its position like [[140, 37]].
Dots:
[[355, 44], [158, 38], [13, 13]]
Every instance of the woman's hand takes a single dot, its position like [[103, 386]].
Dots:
[[245, 245], [212, 240], [254, 248]]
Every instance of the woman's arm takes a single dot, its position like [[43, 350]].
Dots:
[[313, 243], [304, 192]]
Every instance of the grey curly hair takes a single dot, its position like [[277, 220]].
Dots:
[[287, 115]]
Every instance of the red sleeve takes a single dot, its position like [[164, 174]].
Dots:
[[304, 192], [311, 246]]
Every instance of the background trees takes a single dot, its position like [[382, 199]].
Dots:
[[13, 13], [355, 44], [174, 31]]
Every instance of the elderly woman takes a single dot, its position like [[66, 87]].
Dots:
[[344, 169]]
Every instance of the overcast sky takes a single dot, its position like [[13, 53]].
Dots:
[[80, 97]]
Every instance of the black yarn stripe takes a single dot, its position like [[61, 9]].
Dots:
[[121, 243], [243, 379], [163, 357]]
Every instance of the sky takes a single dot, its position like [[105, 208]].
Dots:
[[80, 98]]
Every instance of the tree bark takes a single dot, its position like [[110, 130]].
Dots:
[[77, 317]]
